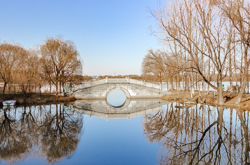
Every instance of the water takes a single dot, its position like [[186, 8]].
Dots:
[[139, 132], [200, 135]]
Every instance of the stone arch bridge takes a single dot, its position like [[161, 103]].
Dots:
[[133, 89]]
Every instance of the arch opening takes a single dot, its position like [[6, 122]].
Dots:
[[116, 98]]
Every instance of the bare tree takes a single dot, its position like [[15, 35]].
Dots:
[[8, 56], [238, 12], [59, 61], [196, 26], [26, 72], [154, 64]]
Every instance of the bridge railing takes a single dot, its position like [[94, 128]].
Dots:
[[114, 81], [147, 84], [89, 84]]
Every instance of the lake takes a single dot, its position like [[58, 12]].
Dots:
[[138, 132]]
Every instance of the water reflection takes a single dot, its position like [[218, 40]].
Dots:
[[200, 135], [38, 131], [197, 134], [130, 109]]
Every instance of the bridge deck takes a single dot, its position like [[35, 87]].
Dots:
[[116, 81]]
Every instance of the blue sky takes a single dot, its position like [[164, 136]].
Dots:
[[111, 36]]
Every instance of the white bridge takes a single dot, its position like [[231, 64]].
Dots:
[[133, 89]]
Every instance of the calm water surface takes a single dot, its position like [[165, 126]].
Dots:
[[140, 132]]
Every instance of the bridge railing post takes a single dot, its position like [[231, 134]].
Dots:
[[127, 79]]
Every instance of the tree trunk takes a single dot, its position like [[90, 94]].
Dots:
[[60, 87], [40, 88], [247, 85], [189, 83], [209, 79], [167, 85], [4, 87], [220, 92], [176, 84], [50, 86], [178, 80], [230, 71], [242, 90], [241, 69], [56, 87], [35, 87], [172, 83]]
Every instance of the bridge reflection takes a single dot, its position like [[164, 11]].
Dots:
[[131, 108]]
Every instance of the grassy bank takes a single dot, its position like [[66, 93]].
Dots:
[[210, 99], [33, 98]]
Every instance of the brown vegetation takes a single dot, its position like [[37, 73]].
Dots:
[[56, 62], [204, 40], [209, 98], [59, 62], [34, 99]]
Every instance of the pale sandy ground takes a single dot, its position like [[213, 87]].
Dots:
[[210, 99]]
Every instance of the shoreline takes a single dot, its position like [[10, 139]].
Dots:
[[209, 99], [35, 99], [177, 96]]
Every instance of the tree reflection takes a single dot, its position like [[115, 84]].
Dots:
[[60, 137], [200, 135], [47, 131], [13, 143]]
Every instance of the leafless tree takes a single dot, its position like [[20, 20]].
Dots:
[[238, 13], [154, 64], [197, 27], [27, 70], [59, 61], [8, 56]]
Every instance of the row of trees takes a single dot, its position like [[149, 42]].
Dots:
[[203, 39], [55, 62]]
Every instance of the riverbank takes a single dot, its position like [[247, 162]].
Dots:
[[35, 98], [209, 99]]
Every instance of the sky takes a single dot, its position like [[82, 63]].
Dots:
[[111, 36]]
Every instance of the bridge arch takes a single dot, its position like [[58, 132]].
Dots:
[[128, 96], [125, 104]]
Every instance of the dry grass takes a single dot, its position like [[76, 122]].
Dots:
[[35, 98], [211, 98]]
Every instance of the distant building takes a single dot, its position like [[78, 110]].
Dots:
[[94, 78]]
